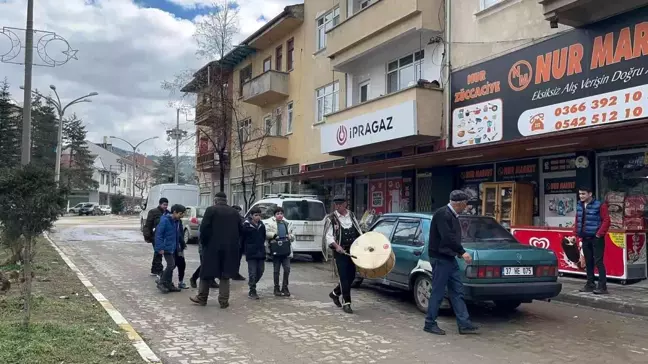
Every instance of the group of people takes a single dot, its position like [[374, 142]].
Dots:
[[225, 235]]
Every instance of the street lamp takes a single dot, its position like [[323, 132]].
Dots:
[[60, 109], [134, 159]]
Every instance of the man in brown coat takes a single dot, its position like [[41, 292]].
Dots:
[[219, 234]]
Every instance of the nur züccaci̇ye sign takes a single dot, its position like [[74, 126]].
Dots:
[[589, 76]]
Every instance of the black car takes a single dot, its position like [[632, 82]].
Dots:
[[90, 209]]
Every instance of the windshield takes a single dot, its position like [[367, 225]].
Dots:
[[304, 210], [88, 205], [483, 230], [267, 209]]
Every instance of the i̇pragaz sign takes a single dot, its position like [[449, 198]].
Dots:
[[390, 123], [586, 77]]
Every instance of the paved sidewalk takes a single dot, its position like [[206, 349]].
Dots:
[[631, 298]]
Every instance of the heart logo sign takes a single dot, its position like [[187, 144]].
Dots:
[[540, 243]]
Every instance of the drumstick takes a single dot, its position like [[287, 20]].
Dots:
[[352, 256]]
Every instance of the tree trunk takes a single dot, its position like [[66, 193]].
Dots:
[[27, 276]]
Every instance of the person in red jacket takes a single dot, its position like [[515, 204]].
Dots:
[[591, 225]]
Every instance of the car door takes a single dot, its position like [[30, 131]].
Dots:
[[385, 226], [407, 246]]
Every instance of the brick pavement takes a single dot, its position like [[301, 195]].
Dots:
[[308, 328]]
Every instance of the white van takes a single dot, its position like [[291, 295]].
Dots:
[[307, 215], [176, 193]]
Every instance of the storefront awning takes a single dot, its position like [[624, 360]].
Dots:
[[602, 137]]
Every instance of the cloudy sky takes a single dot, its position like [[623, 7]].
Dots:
[[126, 48]]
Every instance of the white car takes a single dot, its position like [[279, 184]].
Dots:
[[77, 207], [307, 215], [105, 209]]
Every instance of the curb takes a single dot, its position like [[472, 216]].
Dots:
[[142, 348], [602, 303]]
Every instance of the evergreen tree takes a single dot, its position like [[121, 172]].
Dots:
[[44, 133], [78, 170], [165, 170], [10, 129]]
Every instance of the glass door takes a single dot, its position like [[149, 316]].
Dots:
[[506, 205], [490, 200]]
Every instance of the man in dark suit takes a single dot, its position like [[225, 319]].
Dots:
[[444, 249], [219, 234]]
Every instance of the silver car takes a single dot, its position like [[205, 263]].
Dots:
[[191, 223]]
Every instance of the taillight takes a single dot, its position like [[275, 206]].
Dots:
[[194, 220], [546, 271], [487, 271]]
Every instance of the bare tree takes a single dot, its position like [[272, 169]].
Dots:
[[142, 180]]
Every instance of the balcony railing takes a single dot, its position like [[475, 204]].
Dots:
[[268, 88], [577, 13]]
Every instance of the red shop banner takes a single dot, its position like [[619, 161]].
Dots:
[[622, 250], [377, 193], [394, 192]]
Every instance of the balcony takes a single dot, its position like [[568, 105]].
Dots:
[[207, 162], [202, 113], [378, 23], [267, 88], [406, 117], [268, 150], [577, 13]]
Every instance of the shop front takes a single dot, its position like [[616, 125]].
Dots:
[[563, 113]]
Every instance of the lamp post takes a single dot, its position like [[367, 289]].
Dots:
[[60, 109], [134, 159]]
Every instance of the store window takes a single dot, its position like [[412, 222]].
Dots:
[[623, 184]]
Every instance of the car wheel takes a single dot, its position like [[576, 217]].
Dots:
[[357, 282], [187, 236], [507, 306], [421, 292], [317, 257]]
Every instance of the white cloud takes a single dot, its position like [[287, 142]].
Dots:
[[125, 52]]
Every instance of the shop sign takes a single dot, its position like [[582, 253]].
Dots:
[[559, 164], [560, 197], [391, 123], [590, 76], [521, 171], [469, 180]]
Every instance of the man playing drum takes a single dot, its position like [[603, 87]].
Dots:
[[342, 229]]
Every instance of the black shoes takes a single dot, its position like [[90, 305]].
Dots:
[[336, 299], [173, 288], [224, 305], [589, 288], [436, 330], [277, 291], [253, 295], [198, 301], [162, 288], [214, 284], [239, 277], [193, 283], [347, 308], [472, 330], [285, 291], [601, 291]]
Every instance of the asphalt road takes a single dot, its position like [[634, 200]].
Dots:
[[307, 327]]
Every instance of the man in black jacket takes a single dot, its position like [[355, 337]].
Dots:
[[444, 249], [254, 236], [152, 221]]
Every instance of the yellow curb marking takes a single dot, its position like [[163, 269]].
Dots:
[[142, 348]]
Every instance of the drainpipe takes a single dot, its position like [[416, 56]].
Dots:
[[447, 87]]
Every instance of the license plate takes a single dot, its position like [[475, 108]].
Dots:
[[308, 228], [517, 271], [305, 237]]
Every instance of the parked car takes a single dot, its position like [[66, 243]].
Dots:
[[77, 207], [91, 208], [105, 209], [503, 270], [307, 215], [191, 223]]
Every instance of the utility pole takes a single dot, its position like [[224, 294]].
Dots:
[[25, 155], [177, 134], [134, 161]]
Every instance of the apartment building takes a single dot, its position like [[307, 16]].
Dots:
[[114, 174]]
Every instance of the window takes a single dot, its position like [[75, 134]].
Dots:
[[103, 179], [403, 71], [289, 125], [245, 130], [485, 4], [324, 23], [484, 230], [269, 126], [407, 233], [327, 99], [384, 227], [364, 4], [304, 210], [267, 64], [290, 56], [245, 75], [278, 58], [364, 91], [267, 209]]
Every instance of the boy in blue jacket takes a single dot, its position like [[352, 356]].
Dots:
[[168, 242]]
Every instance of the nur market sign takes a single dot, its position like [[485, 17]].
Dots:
[[586, 77]]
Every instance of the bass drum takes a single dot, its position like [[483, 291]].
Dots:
[[373, 256]]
